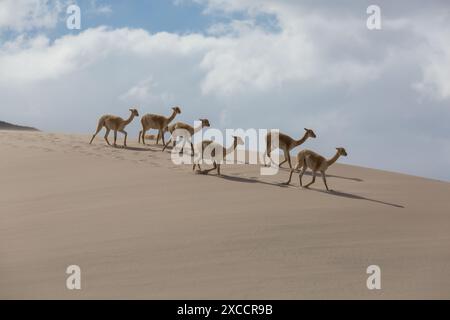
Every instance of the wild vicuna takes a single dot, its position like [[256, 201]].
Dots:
[[310, 159], [180, 128], [160, 123], [219, 156], [116, 124], [286, 144]]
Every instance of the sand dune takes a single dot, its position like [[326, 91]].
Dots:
[[141, 227], [10, 126]]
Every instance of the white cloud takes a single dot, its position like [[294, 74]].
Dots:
[[21, 15], [147, 91], [29, 60], [302, 18], [436, 65], [263, 59], [100, 8], [257, 60]]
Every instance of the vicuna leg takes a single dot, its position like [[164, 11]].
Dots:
[[93, 137], [218, 170], [161, 132], [125, 139], [184, 145], [300, 176], [106, 136], [165, 146], [324, 178], [286, 158], [115, 138], [313, 180], [213, 168], [268, 151], [99, 128], [289, 159], [270, 159], [143, 132], [292, 172], [198, 164]]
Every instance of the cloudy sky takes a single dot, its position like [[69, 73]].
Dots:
[[287, 64]]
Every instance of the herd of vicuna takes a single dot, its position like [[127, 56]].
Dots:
[[305, 158]]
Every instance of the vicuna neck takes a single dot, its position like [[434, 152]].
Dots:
[[334, 159], [130, 118], [174, 114], [302, 140], [198, 129], [231, 148]]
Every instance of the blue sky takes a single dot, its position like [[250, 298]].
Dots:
[[154, 16], [182, 16], [285, 64]]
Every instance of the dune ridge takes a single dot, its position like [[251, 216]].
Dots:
[[9, 126]]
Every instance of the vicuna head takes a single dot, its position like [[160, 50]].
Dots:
[[134, 112], [176, 110], [342, 152], [238, 141], [310, 133], [205, 123]]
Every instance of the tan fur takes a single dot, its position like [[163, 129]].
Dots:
[[215, 146], [188, 128], [160, 123], [116, 124], [310, 159], [286, 144]]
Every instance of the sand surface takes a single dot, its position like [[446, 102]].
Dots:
[[141, 227]]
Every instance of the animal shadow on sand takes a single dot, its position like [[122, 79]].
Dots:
[[331, 192], [121, 147], [356, 197], [247, 180], [139, 149], [308, 173]]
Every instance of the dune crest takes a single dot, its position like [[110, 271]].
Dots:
[[9, 126]]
